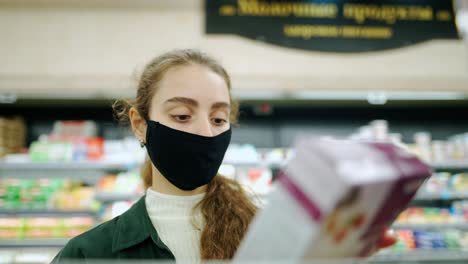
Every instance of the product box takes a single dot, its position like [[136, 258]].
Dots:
[[43, 227], [11, 228], [333, 199]]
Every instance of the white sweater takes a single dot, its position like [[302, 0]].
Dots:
[[172, 218]]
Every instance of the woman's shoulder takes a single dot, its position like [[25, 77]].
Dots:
[[94, 243]]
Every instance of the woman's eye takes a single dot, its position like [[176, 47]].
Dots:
[[219, 121], [181, 118]]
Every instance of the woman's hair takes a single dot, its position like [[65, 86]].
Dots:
[[226, 208]]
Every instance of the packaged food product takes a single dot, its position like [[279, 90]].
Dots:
[[43, 227], [11, 227], [334, 198]]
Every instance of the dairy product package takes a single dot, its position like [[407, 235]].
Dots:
[[333, 199]]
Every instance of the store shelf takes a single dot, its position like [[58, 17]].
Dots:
[[73, 165], [422, 256], [108, 197], [452, 166], [45, 213], [255, 164], [84, 170], [423, 227], [441, 196], [36, 243]]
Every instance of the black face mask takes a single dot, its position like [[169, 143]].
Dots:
[[187, 160]]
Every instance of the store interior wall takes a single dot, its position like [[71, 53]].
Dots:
[[96, 49]]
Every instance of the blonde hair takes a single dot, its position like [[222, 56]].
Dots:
[[226, 208]]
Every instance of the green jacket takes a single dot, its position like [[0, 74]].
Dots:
[[128, 236]]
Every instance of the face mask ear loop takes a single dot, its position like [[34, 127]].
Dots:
[[142, 141]]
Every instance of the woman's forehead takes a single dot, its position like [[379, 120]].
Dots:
[[195, 82]]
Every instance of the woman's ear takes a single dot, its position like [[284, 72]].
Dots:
[[138, 125]]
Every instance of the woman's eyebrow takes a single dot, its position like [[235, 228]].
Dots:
[[182, 100], [218, 105], [194, 103]]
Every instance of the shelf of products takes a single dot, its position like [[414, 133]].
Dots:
[[85, 170], [431, 227], [25, 229], [109, 197], [411, 241], [45, 194], [422, 256], [449, 154], [125, 186], [72, 165], [445, 186], [441, 196], [457, 214], [47, 185], [454, 166], [45, 213], [73, 150], [34, 243]]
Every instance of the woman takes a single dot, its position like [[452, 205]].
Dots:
[[183, 114]]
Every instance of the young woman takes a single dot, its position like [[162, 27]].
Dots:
[[182, 113]]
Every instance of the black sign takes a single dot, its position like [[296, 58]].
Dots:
[[334, 26]]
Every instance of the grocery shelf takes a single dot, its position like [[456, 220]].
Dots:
[[422, 256], [78, 165], [85, 170], [422, 227], [108, 197], [18, 167], [441, 196], [255, 164], [453, 166], [33, 242], [45, 213]]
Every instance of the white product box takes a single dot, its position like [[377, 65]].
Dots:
[[333, 199]]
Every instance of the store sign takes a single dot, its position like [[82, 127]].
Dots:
[[334, 26]]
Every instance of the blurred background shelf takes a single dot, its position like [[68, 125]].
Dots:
[[109, 197], [422, 256], [430, 227], [89, 171], [452, 166], [27, 167], [45, 213], [72, 165], [441, 196], [25, 243]]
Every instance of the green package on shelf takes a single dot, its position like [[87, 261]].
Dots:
[[452, 239], [13, 192], [38, 151], [12, 204], [452, 244], [400, 247], [56, 184], [51, 151], [44, 227], [38, 194], [27, 183]]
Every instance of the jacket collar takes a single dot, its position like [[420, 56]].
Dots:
[[133, 227]]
